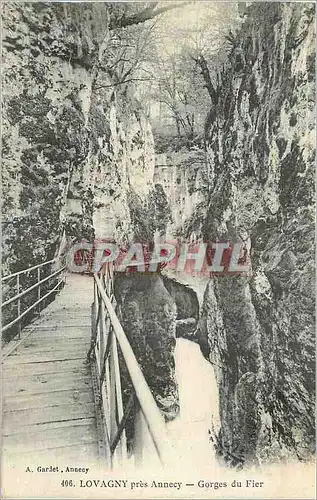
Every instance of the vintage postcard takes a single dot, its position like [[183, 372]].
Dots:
[[158, 224]]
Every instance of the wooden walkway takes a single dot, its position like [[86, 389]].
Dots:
[[48, 400]]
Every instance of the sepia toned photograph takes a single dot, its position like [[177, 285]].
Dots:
[[158, 230]]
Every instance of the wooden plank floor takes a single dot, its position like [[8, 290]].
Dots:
[[48, 400]]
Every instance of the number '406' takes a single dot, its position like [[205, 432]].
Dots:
[[67, 482]]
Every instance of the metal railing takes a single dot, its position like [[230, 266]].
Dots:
[[107, 337], [35, 286]]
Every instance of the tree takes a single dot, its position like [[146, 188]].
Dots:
[[132, 34], [187, 66], [127, 53], [180, 94], [151, 11], [173, 62]]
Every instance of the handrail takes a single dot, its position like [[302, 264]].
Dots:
[[12, 323], [149, 408], [106, 333], [37, 285], [19, 295], [4, 278]]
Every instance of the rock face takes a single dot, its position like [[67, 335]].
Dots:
[[79, 163], [78, 152], [187, 307], [148, 315], [184, 177], [260, 329]]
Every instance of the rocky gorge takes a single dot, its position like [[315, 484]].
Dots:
[[256, 187], [261, 150], [79, 156], [79, 161]]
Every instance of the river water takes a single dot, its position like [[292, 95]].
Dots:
[[198, 420], [190, 433]]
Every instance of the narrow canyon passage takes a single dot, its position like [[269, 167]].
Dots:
[[189, 125]]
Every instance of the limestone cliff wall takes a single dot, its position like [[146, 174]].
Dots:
[[184, 177], [78, 152], [261, 150], [78, 162], [148, 315]]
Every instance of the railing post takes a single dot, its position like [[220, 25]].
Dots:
[[108, 381], [39, 288], [139, 425], [113, 399], [102, 345], [106, 384], [95, 304], [105, 381], [108, 281], [123, 440], [19, 305]]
